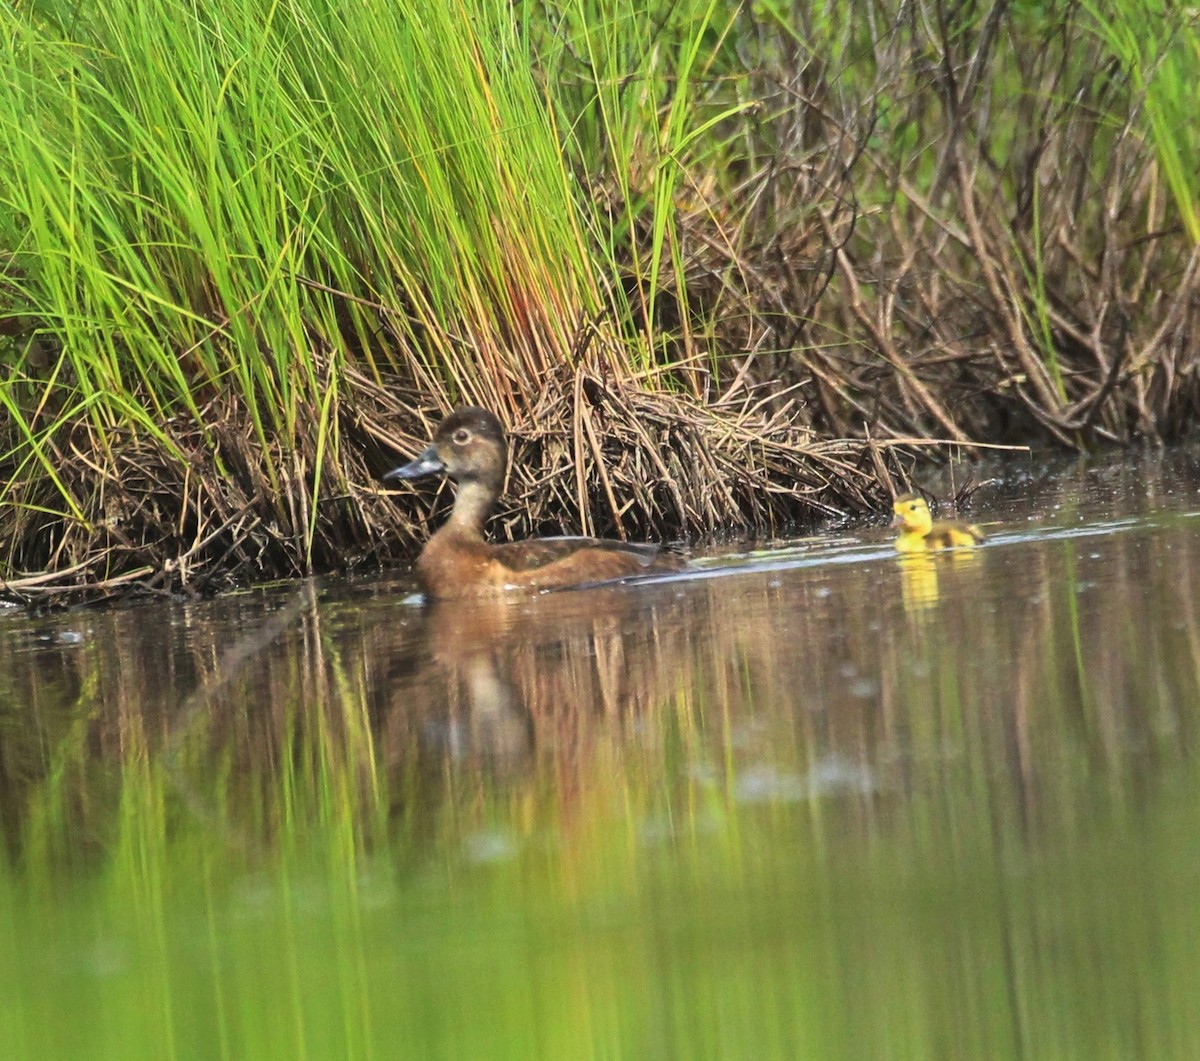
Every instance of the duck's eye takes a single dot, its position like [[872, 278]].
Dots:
[[461, 437]]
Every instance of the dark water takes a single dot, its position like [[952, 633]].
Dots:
[[815, 801]]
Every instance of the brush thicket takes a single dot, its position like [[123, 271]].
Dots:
[[722, 269]]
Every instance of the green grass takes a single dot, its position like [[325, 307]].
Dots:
[[1156, 46], [214, 210], [258, 216], [173, 173]]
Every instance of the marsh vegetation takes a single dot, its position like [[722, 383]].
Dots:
[[722, 268]]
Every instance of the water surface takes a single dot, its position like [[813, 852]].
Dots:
[[812, 800]]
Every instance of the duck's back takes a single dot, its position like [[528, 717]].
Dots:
[[537, 553], [455, 566]]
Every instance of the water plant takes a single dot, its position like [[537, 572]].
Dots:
[[719, 267]]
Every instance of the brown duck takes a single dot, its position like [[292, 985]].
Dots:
[[457, 562]]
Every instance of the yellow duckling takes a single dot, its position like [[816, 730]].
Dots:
[[918, 532]]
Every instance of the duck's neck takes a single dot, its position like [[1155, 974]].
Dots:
[[472, 506]]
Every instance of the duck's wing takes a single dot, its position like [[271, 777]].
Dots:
[[541, 552]]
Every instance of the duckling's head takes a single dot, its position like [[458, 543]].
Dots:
[[912, 514], [468, 446]]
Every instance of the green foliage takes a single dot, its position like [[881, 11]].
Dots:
[[177, 177], [1156, 46], [261, 213]]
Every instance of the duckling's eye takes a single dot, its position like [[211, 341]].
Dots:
[[461, 437]]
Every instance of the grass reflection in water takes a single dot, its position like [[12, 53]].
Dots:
[[818, 812]]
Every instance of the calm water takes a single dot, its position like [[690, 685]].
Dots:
[[811, 802]]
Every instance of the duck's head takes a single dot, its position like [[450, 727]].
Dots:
[[912, 514], [469, 447]]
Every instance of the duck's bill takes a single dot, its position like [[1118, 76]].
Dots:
[[427, 463]]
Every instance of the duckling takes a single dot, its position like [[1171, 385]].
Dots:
[[471, 449], [918, 531]]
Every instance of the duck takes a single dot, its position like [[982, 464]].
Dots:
[[919, 532], [470, 448]]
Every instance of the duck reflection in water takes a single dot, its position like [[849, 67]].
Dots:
[[457, 562], [920, 572], [467, 650], [492, 678], [918, 581]]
